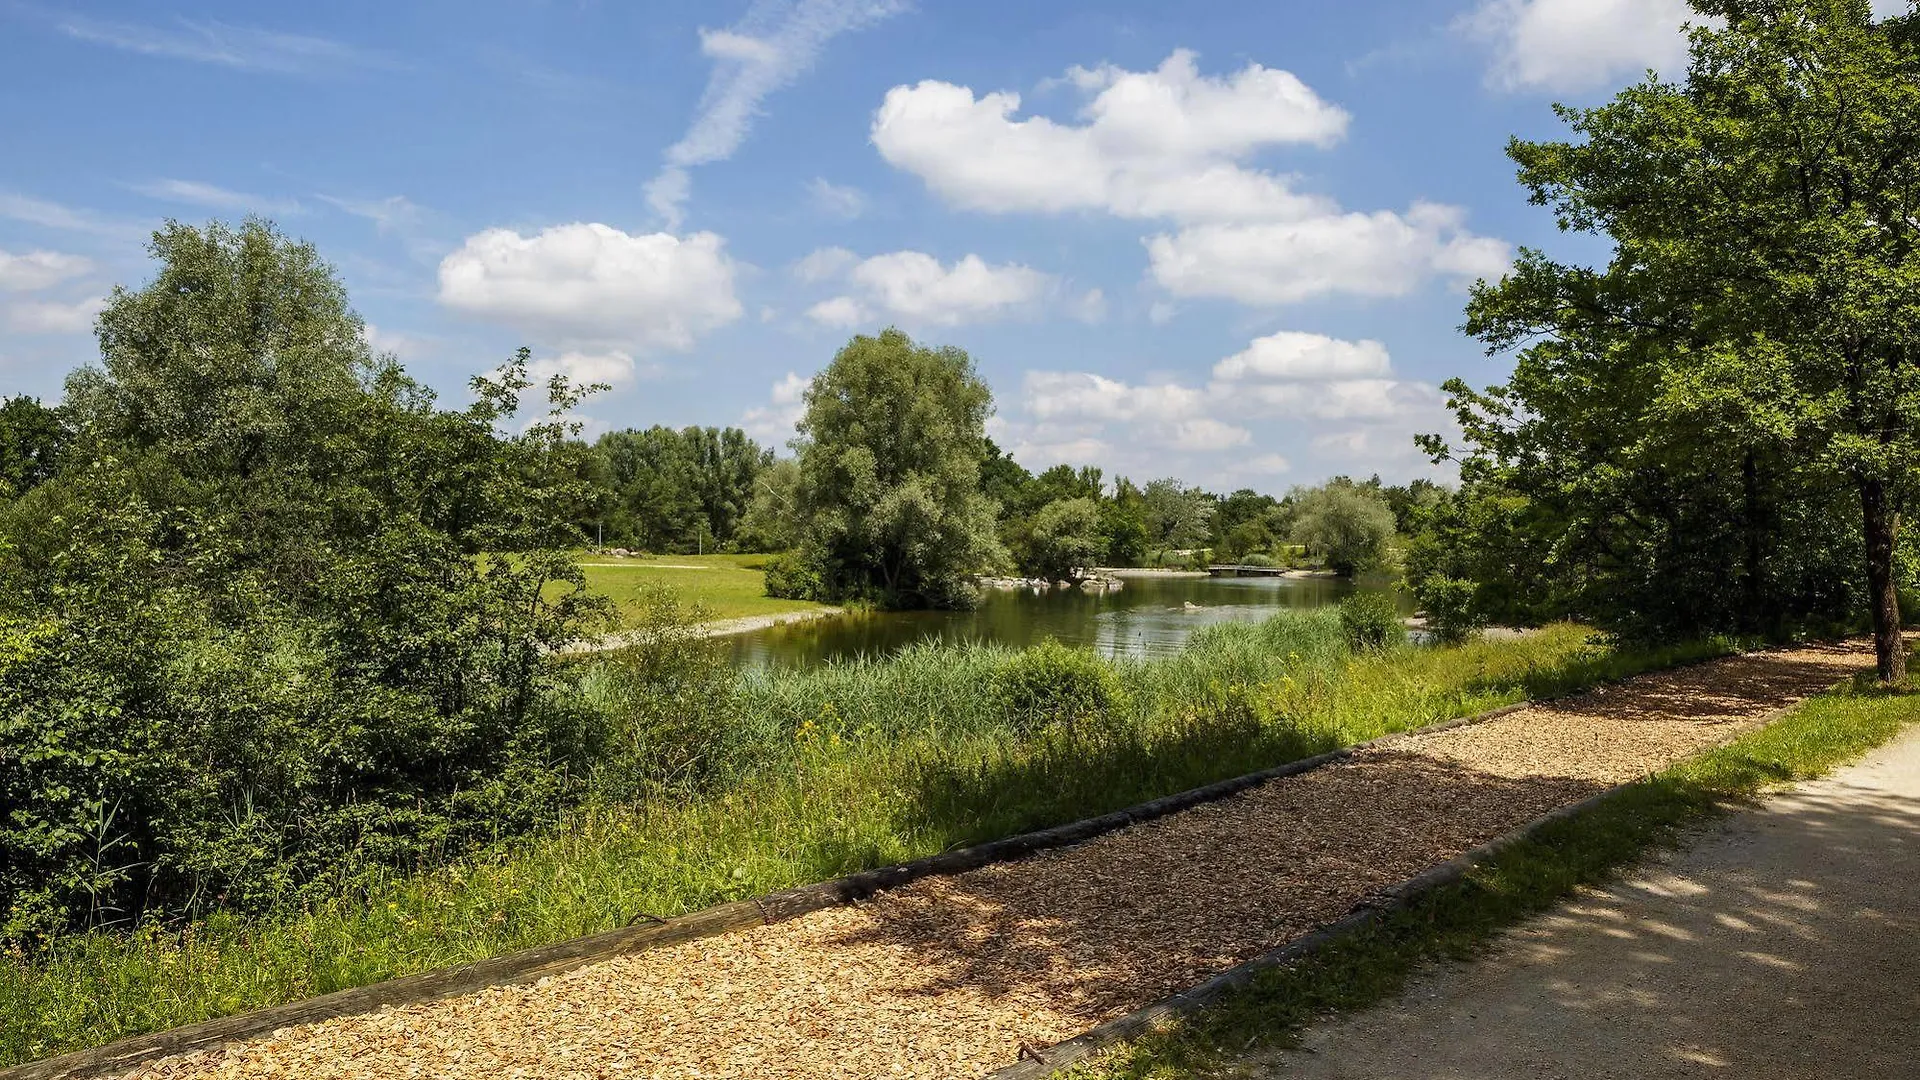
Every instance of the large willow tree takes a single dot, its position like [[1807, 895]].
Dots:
[[1692, 429]]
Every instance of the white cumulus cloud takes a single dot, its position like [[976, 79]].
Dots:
[[1175, 144], [40, 269], [917, 288], [1158, 143], [775, 421], [1571, 45], [1293, 355], [824, 264], [1319, 387], [840, 311], [583, 284], [52, 316], [1379, 254]]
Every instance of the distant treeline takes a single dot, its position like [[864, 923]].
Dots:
[[716, 489]]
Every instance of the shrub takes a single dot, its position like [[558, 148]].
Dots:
[[1448, 605], [662, 703], [1370, 621], [1255, 558], [790, 577], [1054, 686]]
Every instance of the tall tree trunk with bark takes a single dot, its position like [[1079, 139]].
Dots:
[[1881, 524]]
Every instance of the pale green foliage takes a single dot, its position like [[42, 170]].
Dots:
[[1176, 516], [772, 521], [1064, 540], [1346, 524], [895, 434]]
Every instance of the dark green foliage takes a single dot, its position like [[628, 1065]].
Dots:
[[1715, 430], [1448, 605], [31, 439], [1370, 621], [276, 620], [679, 491], [791, 577], [1054, 686]]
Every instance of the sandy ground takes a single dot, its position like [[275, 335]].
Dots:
[[949, 977], [1784, 943]]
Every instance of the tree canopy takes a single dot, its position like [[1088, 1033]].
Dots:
[[1686, 425], [894, 436]]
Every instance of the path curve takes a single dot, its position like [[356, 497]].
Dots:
[[949, 977], [1784, 943]]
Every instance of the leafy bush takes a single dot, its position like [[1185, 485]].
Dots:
[[791, 577], [1371, 621], [275, 622], [1255, 558], [1054, 686], [661, 702], [1448, 605]]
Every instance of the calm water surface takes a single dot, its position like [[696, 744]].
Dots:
[[1148, 615]]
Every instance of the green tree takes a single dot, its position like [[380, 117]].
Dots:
[[1347, 524], [277, 620], [1176, 516], [772, 521], [895, 434], [1064, 540], [31, 439], [1687, 411], [1005, 481]]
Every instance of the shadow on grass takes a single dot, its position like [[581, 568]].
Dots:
[[1066, 777]]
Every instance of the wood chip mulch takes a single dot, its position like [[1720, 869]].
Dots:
[[949, 977]]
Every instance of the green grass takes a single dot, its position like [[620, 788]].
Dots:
[[720, 586], [1458, 921], [807, 776]]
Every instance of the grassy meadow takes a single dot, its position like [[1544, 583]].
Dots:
[[737, 783], [719, 586]]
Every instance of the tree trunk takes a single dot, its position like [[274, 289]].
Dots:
[[1882, 525]]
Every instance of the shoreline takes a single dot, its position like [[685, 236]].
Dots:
[[717, 628]]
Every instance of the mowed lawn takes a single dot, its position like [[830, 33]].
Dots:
[[721, 586]]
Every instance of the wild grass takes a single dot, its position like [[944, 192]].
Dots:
[[785, 778], [1455, 923]]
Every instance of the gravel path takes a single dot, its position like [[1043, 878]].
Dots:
[[950, 976], [1784, 943]]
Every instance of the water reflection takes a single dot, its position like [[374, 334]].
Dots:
[[1147, 616]]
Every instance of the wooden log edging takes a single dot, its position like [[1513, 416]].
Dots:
[[530, 965], [1050, 1060], [1043, 1063]]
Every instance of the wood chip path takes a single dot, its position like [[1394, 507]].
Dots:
[[949, 977]]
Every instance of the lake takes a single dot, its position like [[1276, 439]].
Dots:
[[1148, 615]]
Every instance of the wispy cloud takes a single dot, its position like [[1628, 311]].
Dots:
[[243, 48], [776, 43], [396, 216], [197, 193], [395, 212], [52, 215]]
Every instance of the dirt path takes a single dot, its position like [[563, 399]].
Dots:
[[948, 977], [1783, 944], [744, 624]]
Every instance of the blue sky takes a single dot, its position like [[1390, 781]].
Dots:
[[1222, 241]]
